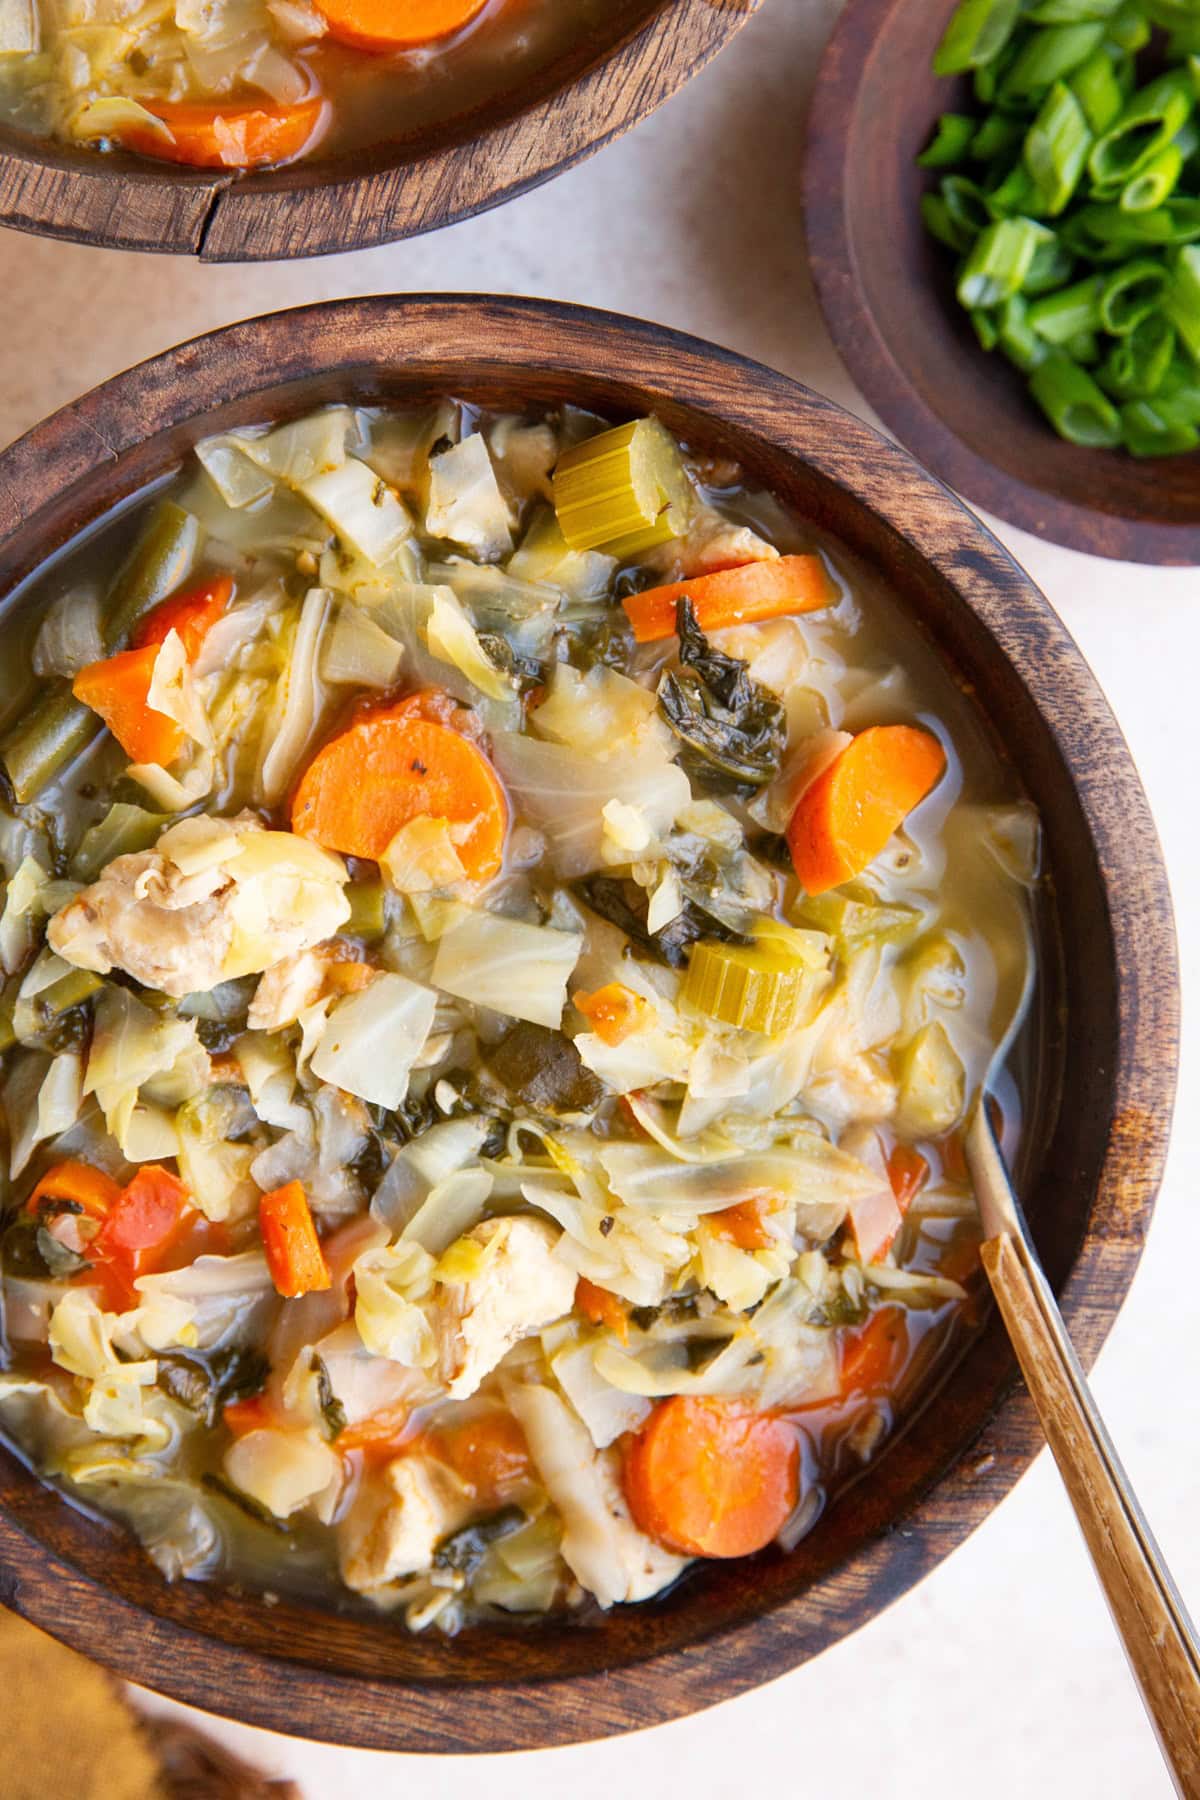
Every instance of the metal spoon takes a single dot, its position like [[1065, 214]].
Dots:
[[1157, 1634]]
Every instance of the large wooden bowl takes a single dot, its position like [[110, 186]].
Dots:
[[887, 292], [1107, 1020], [610, 80]]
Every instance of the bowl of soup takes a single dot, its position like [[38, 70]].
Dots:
[[248, 130], [517, 876]]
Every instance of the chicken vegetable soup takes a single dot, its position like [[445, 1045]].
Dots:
[[503, 930], [241, 84]]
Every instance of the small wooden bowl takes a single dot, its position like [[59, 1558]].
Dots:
[[887, 292], [1107, 1017], [609, 82]]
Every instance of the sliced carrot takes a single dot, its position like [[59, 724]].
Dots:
[[844, 819], [757, 590], [290, 1242], [488, 1452], [396, 24], [874, 1356], [118, 690], [254, 1414], [908, 1172], [599, 1307], [79, 1182], [712, 1477], [349, 977], [742, 1224], [394, 766], [219, 135], [381, 1435], [614, 1010], [192, 614]]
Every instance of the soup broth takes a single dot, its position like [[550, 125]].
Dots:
[[504, 929]]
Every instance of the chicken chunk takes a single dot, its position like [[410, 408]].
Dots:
[[214, 900], [286, 990], [521, 1289], [393, 1533], [601, 1545]]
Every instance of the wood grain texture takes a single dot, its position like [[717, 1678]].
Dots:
[[1161, 1659], [887, 293], [605, 85], [1107, 1008]]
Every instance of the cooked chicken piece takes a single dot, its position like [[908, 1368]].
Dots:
[[394, 1533], [521, 1289], [709, 543], [215, 899], [286, 990], [601, 1545]]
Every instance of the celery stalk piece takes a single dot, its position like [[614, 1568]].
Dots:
[[624, 491], [763, 986]]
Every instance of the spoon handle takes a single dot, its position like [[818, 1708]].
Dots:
[[1158, 1637]]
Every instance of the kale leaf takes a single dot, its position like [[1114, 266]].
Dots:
[[732, 729]]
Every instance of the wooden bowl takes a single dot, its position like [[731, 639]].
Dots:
[[609, 82], [1108, 1040], [887, 292]]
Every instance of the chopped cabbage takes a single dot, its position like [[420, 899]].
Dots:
[[465, 502], [358, 653], [368, 516], [520, 970], [371, 1039], [135, 1048], [564, 791], [282, 1470], [452, 638], [297, 701], [448, 1210], [390, 1284]]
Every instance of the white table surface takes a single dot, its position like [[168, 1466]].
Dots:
[[999, 1675]]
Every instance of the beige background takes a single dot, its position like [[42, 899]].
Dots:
[[999, 1676]]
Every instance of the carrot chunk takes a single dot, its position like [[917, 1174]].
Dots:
[[488, 1452], [845, 818], [396, 24], [192, 614], [614, 1010], [742, 596], [290, 1242], [118, 689], [742, 1225], [599, 1307], [712, 1477], [221, 135], [78, 1182], [394, 766], [873, 1357], [908, 1172]]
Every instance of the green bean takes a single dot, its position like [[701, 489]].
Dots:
[[999, 261], [951, 139], [161, 559], [977, 32], [1048, 55], [1051, 267], [1149, 120], [1074, 405], [1057, 146], [1016, 336], [1181, 301], [1145, 431], [45, 741], [1061, 316], [367, 909], [999, 134], [124, 830], [1095, 86], [1136, 367], [1130, 294], [69, 990], [1154, 182]]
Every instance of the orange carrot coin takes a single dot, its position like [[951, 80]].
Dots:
[[845, 818], [712, 1477], [741, 596], [396, 24]]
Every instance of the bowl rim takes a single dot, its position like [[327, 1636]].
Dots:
[[124, 202], [884, 382], [338, 339]]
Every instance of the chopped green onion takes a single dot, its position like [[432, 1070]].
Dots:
[[1147, 432], [1073, 403], [1129, 28], [1016, 194], [939, 224], [45, 741], [1148, 121], [1136, 366], [1000, 261], [977, 32], [1071, 12], [1017, 338], [1056, 149], [1180, 389], [1130, 294], [1154, 182], [1084, 347], [950, 142], [999, 135], [1181, 301], [1095, 86], [967, 205], [1047, 56], [1052, 265], [986, 329], [1060, 317]]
